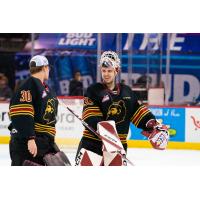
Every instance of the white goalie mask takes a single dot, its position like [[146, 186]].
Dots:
[[110, 59]]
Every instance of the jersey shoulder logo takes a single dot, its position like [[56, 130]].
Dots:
[[44, 94], [88, 101], [105, 98]]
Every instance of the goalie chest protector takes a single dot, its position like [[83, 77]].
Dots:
[[120, 105]]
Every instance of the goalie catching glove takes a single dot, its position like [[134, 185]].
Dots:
[[158, 135]]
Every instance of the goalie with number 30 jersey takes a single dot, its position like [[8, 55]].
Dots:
[[110, 101], [33, 110]]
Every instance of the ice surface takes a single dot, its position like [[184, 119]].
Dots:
[[139, 156]]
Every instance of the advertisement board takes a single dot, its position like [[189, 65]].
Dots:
[[4, 119], [66, 41], [67, 125], [184, 124], [192, 118], [184, 42]]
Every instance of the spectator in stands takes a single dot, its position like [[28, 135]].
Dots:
[[5, 91], [76, 85], [18, 84], [142, 81], [123, 82]]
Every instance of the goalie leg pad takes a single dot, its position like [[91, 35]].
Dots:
[[113, 159], [30, 163], [88, 158], [64, 158], [58, 159]]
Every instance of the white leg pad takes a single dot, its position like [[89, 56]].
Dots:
[[113, 159], [88, 158]]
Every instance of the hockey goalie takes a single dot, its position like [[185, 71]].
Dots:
[[108, 101]]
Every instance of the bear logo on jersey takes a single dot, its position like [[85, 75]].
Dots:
[[117, 112], [49, 114]]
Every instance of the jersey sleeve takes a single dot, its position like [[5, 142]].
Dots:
[[91, 110], [21, 112], [140, 113]]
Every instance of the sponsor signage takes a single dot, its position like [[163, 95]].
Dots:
[[67, 125], [66, 41], [184, 123], [4, 119], [138, 41], [192, 125]]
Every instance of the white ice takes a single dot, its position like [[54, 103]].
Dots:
[[139, 156]]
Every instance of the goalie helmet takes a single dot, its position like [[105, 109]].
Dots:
[[110, 59]]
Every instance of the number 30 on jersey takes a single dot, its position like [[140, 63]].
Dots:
[[26, 96]]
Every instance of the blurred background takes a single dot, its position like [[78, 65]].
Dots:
[[162, 68], [152, 64]]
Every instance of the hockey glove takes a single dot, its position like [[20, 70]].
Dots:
[[158, 136]]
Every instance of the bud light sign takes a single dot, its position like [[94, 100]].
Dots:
[[78, 40]]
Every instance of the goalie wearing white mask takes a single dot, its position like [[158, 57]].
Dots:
[[111, 107]]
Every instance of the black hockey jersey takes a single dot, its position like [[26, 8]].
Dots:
[[33, 110], [120, 105]]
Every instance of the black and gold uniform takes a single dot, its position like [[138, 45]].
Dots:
[[120, 105], [33, 110]]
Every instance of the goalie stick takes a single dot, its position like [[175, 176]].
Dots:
[[107, 139]]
